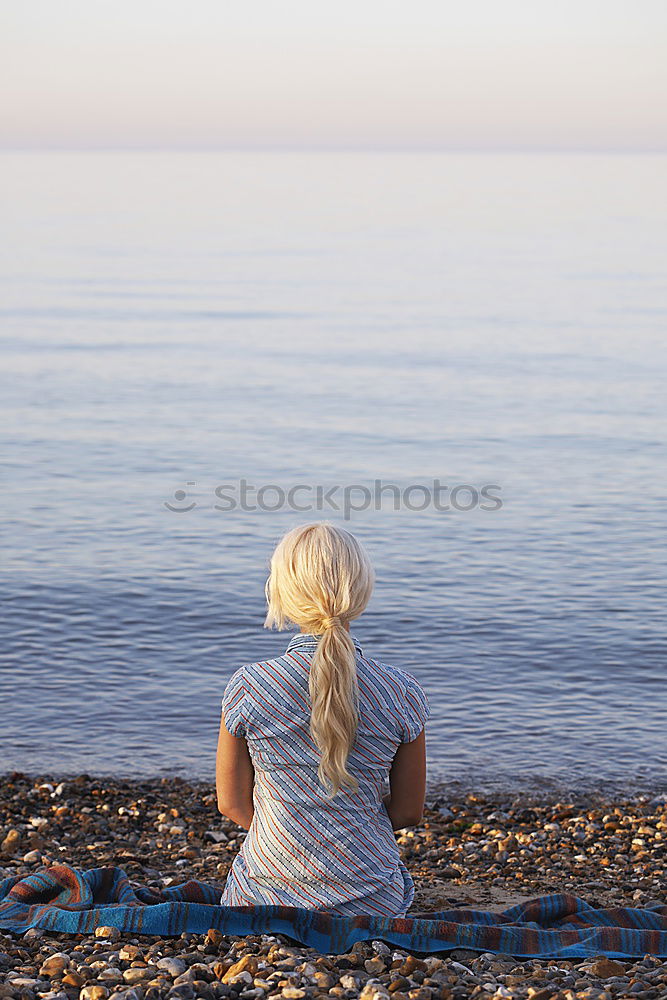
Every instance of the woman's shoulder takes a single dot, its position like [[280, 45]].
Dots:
[[398, 692], [253, 688], [277, 678], [279, 665]]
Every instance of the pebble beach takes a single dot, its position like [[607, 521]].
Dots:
[[471, 850]]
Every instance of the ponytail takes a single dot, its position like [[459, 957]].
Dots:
[[321, 579], [334, 695]]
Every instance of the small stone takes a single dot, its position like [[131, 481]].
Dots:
[[111, 975], [606, 968], [110, 933], [173, 966], [184, 991], [33, 933], [411, 964], [376, 991], [129, 953], [380, 948], [293, 993], [203, 990], [240, 978], [32, 857], [136, 973], [247, 964], [94, 992], [399, 984], [200, 971], [11, 842], [217, 836], [462, 954], [214, 936], [375, 965], [73, 978], [55, 965], [460, 968], [185, 977]]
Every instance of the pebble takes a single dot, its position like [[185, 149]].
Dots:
[[110, 933], [94, 992], [213, 937], [55, 965], [11, 841], [135, 974], [73, 978], [377, 991], [32, 933], [184, 991], [245, 966], [129, 953], [606, 968], [173, 966], [111, 975]]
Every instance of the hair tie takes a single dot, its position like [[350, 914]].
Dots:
[[332, 622]]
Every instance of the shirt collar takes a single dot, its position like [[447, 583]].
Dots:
[[307, 642]]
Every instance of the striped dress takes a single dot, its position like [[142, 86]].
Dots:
[[302, 849]]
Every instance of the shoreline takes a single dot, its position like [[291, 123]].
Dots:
[[541, 788], [471, 850]]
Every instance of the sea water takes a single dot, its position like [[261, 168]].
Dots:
[[176, 324]]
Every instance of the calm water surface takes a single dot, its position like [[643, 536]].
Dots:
[[183, 321]]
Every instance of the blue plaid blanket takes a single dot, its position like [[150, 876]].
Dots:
[[75, 901]]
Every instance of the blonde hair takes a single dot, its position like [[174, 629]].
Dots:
[[321, 578]]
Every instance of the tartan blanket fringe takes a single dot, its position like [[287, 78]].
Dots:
[[60, 898]]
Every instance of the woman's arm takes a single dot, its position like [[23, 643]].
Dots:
[[235, 777], [407, 781]]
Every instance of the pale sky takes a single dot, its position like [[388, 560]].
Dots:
[[366, 74]]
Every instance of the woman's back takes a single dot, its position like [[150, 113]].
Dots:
[[305, 847]]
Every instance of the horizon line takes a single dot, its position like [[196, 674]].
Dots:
[[466, 150]]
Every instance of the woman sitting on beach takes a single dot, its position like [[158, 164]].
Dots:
[[308, 739]]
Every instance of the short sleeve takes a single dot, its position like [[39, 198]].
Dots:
[[234, 704], [415, 710]]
